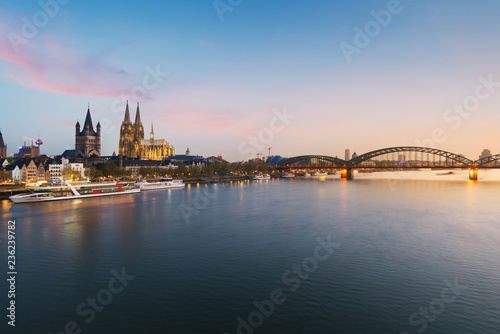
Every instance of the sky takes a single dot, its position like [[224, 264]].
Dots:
[[235, 77]]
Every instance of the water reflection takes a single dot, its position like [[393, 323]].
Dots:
[[401, 237]]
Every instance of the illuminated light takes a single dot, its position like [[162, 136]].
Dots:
[[343, 173], [473, 174]]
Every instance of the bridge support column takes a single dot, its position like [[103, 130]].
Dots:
[[473, 174], [347, 173]]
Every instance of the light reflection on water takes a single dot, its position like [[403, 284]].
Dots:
[[401, 236], [431, 175]]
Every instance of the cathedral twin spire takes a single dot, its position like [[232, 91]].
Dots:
[[137, 116], [127, 115], [132, 143], [131, 134]]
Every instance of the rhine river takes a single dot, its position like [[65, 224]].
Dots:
[[408, 252]]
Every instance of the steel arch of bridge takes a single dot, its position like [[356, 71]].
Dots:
[[335, 161], [448, 155], [486, 161], [370, 155]]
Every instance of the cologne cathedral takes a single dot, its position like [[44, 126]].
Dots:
[[132, 142]]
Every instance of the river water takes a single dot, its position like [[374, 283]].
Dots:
[[409, 252]]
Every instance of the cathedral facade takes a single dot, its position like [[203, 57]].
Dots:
[[133, 145], [87, 141]]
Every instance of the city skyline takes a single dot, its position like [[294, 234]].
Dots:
[[425, 76]]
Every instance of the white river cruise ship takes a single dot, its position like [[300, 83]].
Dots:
[[74, 190]]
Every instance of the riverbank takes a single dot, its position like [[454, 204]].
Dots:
[[6, 193], [215, 179]]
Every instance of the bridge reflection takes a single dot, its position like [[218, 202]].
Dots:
[[392, 158]]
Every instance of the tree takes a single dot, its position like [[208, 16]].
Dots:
[[42, 158], [4, 176], [93, 172], [195, 170], [181, 169], [111, 169], [221, 168], [146, 171], [67, 173]]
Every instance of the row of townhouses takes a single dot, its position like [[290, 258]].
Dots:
[[32, 171]]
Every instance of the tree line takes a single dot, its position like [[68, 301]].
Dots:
[[111, 169]]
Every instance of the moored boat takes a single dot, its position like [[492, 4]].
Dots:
[[161, 183], [288, 175], [446, 173], [74, 190], [260, 177]]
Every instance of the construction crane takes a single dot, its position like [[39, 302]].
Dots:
[[258, 155]]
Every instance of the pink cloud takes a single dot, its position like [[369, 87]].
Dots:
[[206, 120], [46, 64]]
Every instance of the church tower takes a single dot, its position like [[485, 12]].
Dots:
[[87, 141], [3, 147], [138, 128], [138, 134], [151, 134], [126, 136]]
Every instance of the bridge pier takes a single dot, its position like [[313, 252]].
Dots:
[[473, 174], [347, 173]]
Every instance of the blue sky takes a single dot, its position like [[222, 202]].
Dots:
[[225, 77]]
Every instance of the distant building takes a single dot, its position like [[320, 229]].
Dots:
[[14, 170], [27, 152], [69, 154], [354, 155], [274, 159], [188, 160], [38, 142], [133, 145], [485, 154], [347, 154], [215, 160], [187, 152], [32, 171], [3, 147], [135, 165], [87, 141], [55, 167]]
